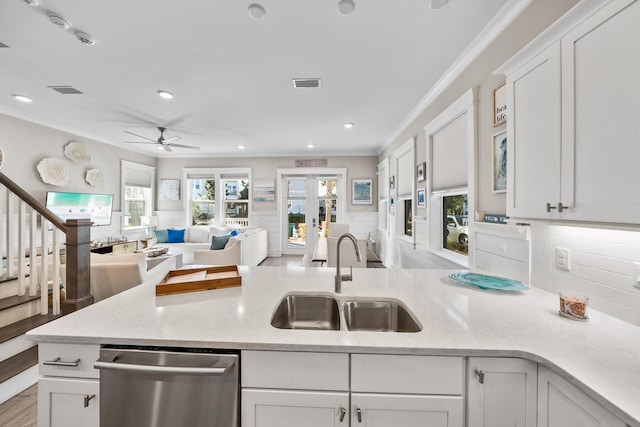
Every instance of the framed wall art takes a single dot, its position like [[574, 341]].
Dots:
[[169, 189], [361, 192], [420, 171], [264, 190], [499, 162], [421, 203], [500, 105]]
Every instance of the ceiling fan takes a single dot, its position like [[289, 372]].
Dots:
[[161, 141]]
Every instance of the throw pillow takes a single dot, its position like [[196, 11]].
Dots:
[[233, 233], [175, 236], [219, 242], [198, 235], [162, 235]]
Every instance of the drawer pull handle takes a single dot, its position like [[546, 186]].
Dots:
[[480, 374], [343, 412], [549, 207], [58, 362], [87, 398]]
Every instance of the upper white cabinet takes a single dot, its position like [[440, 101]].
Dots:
[[574, 119]]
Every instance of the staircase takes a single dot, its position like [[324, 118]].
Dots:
[[33, 244]]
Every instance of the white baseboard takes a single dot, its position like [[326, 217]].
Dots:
[[17, 384]]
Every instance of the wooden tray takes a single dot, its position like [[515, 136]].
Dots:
[[199, 279]]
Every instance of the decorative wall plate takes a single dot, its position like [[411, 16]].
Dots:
[[53, 171], [94, 177], [77, 152]]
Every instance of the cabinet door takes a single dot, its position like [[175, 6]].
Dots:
[[502, 392], [601, 116], [283, 408], [66, 402], [560, 404], [533, 136], [406, 410]]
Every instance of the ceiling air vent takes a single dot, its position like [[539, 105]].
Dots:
[[306, 83], [65, 90]]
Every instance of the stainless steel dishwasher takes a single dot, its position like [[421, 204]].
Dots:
[[159, 387]]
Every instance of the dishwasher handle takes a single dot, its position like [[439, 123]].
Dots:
[[220, 368]]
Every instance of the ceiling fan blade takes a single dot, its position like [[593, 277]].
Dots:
[[184, 146], [140, 142], [139, 136], [173, 138], [167, 148]]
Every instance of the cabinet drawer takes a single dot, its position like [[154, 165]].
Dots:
[[295, 370], [125, 248], [56, 354], [407, 374]]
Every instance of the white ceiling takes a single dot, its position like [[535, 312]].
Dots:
[[230, 73]]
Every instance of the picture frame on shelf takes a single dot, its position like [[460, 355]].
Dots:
[[499, 162], [420, 171], [421, 200], [500, 105], [169, 189], [361, 193]]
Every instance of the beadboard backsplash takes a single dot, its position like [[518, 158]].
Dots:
[[601, 266]]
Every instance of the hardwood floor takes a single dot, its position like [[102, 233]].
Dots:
[[21, 410]]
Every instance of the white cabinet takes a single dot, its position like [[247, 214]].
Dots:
[[287, 408], [67, 402], [561, 404], [406, 410], [533, 142], [573, 129], [68, 386], [314, 389], [502, 392]]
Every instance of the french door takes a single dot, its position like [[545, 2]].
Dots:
[[311, 204]]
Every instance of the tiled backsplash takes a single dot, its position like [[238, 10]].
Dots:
[[601, 266]]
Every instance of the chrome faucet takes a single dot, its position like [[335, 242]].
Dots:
[[345, 277]]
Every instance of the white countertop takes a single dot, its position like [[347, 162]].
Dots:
[[600, 356]]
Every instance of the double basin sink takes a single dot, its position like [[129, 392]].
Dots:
[[329, 312]]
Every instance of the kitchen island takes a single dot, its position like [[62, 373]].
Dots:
[[601, 357]]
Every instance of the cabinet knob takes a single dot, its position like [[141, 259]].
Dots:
[[343, 412], [561, 207], [480, 374], [549, 207], [359, 414]]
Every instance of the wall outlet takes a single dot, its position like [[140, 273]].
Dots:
[[562, 259]]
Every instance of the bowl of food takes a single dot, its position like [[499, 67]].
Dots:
[[573, 307]]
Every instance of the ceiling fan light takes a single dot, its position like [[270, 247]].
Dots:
[[345, 7], [165, 95]]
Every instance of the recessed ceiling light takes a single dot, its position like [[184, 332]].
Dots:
[[309, 146], [85, 38], [256, 11], [22, 98], [348, 125], [438, 4], [345, 7], [31, 2], [164, 94], [241, 147]]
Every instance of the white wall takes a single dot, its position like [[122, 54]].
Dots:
[[601, 263]]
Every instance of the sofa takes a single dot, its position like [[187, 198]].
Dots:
[[243, 246], [112, 274], [249, 247]]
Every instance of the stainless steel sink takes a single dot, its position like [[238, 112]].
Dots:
[[307, 312], [324, 312], [379, 315]]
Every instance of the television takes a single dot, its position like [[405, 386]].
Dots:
[[96, 207]]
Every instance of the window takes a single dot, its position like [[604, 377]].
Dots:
[[203, 201], [137, 195], [137, 206], [455, 233], [218, 196]]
